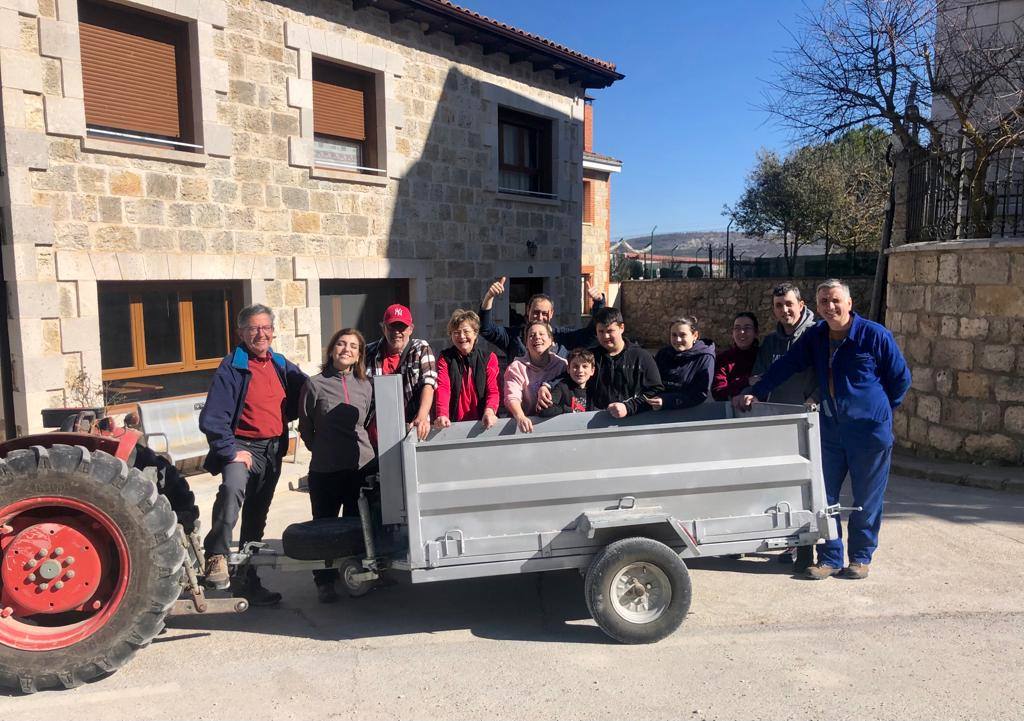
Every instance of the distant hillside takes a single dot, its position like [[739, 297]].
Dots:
[[693, 242]]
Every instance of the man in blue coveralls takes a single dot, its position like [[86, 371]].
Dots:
[[862, 377]]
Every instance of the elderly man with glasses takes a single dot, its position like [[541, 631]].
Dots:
[[253, 396]]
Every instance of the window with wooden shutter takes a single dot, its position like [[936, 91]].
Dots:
[[135, 72], [344, 119], [588, 201]]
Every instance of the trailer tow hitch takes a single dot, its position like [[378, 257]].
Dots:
[[837, 509], [197, 602]]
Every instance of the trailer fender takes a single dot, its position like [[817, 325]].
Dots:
[[590, 522]]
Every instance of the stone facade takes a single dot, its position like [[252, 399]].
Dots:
[[957, 310], [80, 211], [649, 305]]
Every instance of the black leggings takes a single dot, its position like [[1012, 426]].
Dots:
[[330, 492]]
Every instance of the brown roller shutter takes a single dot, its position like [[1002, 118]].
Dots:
[[134, 70], [588, 201], [339, 102]]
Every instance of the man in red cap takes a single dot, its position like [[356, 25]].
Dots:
[[398, 352]]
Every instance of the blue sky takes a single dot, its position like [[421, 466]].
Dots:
[[682, 121]]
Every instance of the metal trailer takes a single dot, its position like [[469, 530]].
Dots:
[[624, 501]]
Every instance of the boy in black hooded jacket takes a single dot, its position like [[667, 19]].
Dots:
[[626, 380], [569, 395]]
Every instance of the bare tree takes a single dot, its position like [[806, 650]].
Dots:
[[909, 66]]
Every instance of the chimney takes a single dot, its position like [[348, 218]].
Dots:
[[588, 125]]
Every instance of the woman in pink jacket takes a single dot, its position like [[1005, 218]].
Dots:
[[525, 374]]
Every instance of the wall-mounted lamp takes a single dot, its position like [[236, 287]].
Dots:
[[531, 249]]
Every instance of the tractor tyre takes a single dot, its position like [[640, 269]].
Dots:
[[90, 564]]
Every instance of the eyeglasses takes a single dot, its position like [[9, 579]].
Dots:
[[254, 329]]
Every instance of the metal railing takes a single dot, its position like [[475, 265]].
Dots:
[[940, 207]]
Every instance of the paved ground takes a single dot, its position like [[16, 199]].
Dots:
[[937, 632]]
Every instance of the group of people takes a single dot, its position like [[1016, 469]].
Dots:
[[850, 365]]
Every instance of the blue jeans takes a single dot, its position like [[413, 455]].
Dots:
[[869, 474]]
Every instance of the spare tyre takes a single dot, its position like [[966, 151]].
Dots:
[[90, 563], [323, 538]]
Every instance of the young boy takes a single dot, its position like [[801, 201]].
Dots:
[[570, 394], [626, 378]]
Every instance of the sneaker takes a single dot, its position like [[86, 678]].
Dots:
[[856, 570], [326, 593], [217, 575], [251, 589], [820, 571], [804, 559]]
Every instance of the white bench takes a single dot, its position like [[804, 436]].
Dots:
[[174, 426], [171, 428]]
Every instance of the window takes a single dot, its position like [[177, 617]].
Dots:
[[524, 153], [588, 202], [344, 118], [159, 340], [136, 76]]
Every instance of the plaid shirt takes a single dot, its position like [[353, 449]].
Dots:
[[417, 367]]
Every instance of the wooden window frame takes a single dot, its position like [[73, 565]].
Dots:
[[186, 328], [534, 129], [350, 75], [175, 31]]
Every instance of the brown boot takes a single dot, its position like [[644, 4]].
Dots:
[[820, 572], [217, 572], [856, 570]]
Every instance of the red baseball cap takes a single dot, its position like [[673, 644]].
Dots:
[[397, 313]]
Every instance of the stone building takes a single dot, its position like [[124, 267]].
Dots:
[[597, 199], [167, 161], [956, 306]]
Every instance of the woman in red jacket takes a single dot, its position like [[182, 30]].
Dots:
[[467, 376], [733, 366]]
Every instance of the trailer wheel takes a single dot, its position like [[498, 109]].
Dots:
[[90, 563], [353, 587], [638, 590]]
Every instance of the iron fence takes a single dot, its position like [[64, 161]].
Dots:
[[939, 199]]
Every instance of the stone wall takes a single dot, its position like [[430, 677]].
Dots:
[[649, 305], [80, 211], [957, 310]]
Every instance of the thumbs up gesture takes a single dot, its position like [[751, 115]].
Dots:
[[497, 287]]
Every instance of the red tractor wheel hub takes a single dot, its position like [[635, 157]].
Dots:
[[51, 567], [64, 567]]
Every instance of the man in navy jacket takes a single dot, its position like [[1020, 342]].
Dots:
[[253, 396], [509, 339], [862, 377]]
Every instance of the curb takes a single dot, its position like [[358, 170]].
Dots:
[[996, 478]]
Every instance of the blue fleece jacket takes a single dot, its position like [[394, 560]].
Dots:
[[226, 397], [869, 374]]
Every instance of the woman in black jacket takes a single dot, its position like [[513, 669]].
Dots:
[[687, 366]]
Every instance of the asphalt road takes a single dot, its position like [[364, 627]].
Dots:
[[936, 632]]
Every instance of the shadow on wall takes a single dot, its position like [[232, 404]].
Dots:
[[446, 216]]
